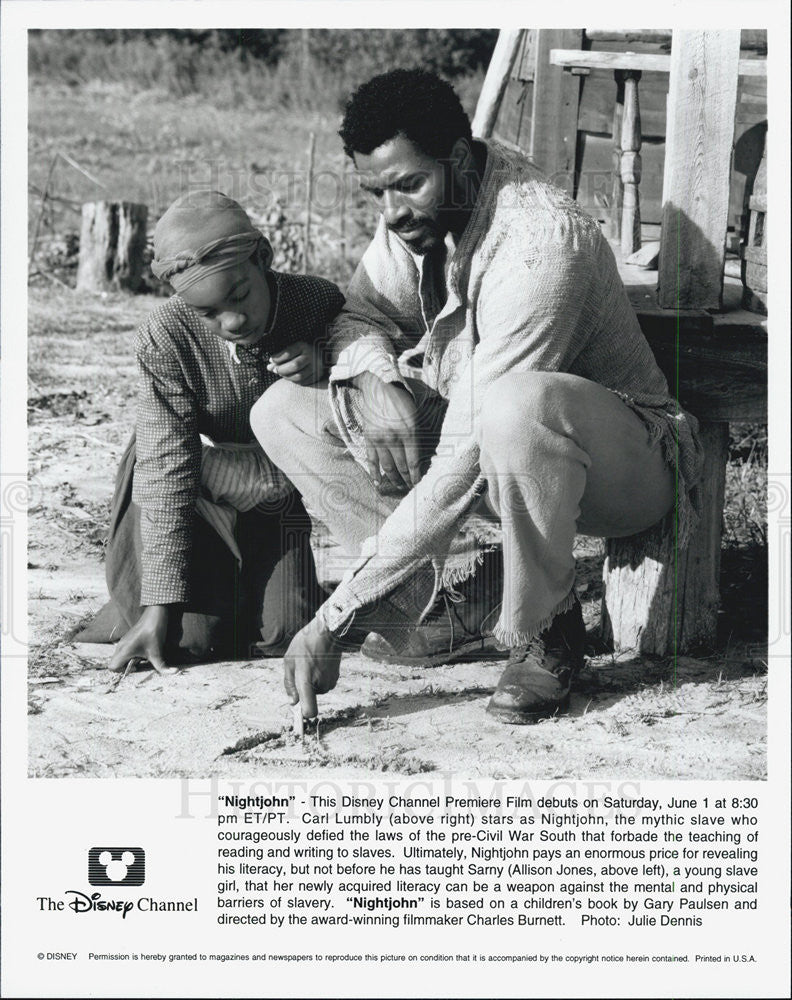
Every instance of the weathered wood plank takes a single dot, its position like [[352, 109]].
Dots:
[[701, 103], [755, 39], [645, 256], [598, 95], [578, 58], [553, 138], [754, 253], [651, 61], [495, 81], [717, 376], [513, 124], [749, 141], [525, 63], [722, 356], [657, 36], [640, 288]]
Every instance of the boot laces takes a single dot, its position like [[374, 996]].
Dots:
[[531, 653], [451, 599]]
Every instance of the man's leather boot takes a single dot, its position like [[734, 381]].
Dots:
[[538, 677]]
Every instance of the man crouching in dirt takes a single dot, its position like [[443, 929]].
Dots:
[[486, 332]]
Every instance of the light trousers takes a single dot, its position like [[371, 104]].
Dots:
[[561, 455]]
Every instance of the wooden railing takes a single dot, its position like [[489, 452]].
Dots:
[[703, 69]]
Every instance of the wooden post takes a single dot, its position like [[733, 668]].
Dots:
[[308, 200], [630, 166], [342, 220], [702, 99], [667, 602], [554, 115], [617, 186], [495, 81], [112, 242], [44, 197]]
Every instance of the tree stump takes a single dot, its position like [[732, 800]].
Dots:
[[666, 602], [112, 244]]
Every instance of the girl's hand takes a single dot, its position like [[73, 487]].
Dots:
[[300, 362], [144, 641]]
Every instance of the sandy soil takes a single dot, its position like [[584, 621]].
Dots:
[[693, 718], [627, 719]]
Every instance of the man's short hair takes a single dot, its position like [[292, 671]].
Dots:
[[409, 102]]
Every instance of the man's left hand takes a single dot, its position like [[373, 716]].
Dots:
[[311, 666], [390, 421]]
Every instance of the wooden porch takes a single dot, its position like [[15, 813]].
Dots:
[[689, 237]]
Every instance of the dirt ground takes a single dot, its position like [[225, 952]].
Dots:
[[693, 718]]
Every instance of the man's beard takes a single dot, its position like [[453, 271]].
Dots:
[[450, 218], [431, 234]]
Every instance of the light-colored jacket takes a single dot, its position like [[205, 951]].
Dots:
[[532, 285]]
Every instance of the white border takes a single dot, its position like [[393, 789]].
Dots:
[[65, 797]]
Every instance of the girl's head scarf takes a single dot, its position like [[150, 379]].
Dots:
[[204, 232]]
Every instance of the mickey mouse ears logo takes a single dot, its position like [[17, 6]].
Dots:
[[116, 866]]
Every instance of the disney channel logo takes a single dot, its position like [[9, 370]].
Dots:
[[116, 866], [121, 867], [82, 902]]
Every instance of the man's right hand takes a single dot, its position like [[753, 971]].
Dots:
[[311, 665], [390, 429], [144, 641]]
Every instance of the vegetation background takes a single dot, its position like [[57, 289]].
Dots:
[[149, 114]]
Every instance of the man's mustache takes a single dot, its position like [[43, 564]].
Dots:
[[406, 227]]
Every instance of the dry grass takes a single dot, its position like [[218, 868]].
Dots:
[[296, 71], [744, 561], [150, 120], [147, 148], [745, 517]]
